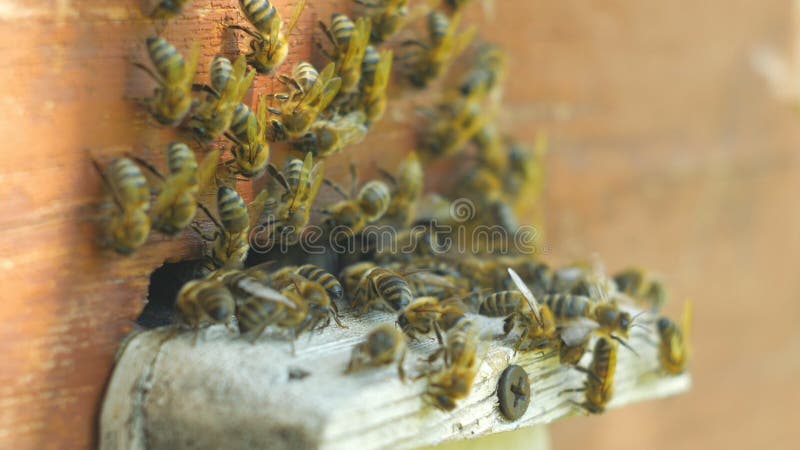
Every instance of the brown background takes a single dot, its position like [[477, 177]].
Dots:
[[667, 150]]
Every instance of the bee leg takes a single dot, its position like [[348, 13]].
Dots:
[[400, 370], [569, 391], [588, 373], [336, 187], [438, 333], [203, 235], [196, 334], [338, 322], [624, 344], [251, 33]]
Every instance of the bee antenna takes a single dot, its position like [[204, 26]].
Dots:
[[624, 344], [210, 216]]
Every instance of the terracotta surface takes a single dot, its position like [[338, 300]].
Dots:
[[667, 150]]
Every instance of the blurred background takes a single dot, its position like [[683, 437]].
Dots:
[[674, 145]]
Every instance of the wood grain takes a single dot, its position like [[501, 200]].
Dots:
[[666, 150]]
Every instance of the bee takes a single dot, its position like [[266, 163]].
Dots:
[[673, 347], [599, 385], [327, 137], [172, 98], [248, 132], [538, 325], [375, 71], [230, 242], [451, 126], [128, 225], [300, 107], [325, 279], [252, 282], [426, 314], [176, 203], [642, 287], [213, 116], [256, 313], [300, 181], [349, 216], [454, 382], [383, 345], [269, 45], [351, 276], [487, 72], [609, 319], [202, 302], [406, 193], [349, 41], [432, 58], [383, 288], [166, 9], [387, 17]]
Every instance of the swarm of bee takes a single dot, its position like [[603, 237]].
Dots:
[[430, 291]]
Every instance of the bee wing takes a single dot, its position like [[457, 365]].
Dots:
[[190, 64], [317, 175], [432, 279], [576, 333], [256, 208], [207, 169], [261, 117], [359, 40], [461, 41], [329, 92], [352, 127], [382, 71], [319, 85], [523, 288], [298, 9], [256, 289], [172, 187]]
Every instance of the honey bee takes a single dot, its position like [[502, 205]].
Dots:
[[642, 287], [349, 41], [454, 382], [300, 181], [599, 385], [269, 45], [128, 225], [300, 107], [451, 126], [213, 116], [426, 314], [406, 193], [248, 131], [384, 344], [166, 9], [230, 241], [431, 59], [327, 137], [252, 282], [673, 347], [202, 302], [256, 313], [325, 279], [487, 72], [172, 98], [380, 287], [375, 71], [176, 203], [352, 275], [349, 216], [321, 307], [387, 17]]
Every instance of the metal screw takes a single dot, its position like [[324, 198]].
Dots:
[[514, 392]]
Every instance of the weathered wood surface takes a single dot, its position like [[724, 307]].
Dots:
[[224, 392], [666, 150]]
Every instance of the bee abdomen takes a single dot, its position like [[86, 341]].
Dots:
[[180, 157], [221, 70], [217, 302], [259, 13], [254, 313], [341, 28], [305, 75], [566, 306], [437, 26], [325, 279], [130, 183], [395, 291], [164, 55], [374, 199], [232, 210], [241, 116]]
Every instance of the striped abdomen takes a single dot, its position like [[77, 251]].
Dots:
[[305, 75], [129, 184], [256, 313], [323, 278], [392, 287], [241, 115], [232, 210], [260, 13], [369, 64], [501, 304], [221, 70], [566, 306], [291, 172], [599, 386], [217, 302], [341, 29], [437, 26], [166, 59], [180, 157], [374, 199]]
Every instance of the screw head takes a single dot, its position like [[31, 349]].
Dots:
[[514, 392]]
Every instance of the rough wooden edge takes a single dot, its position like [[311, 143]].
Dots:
[[226, 392]]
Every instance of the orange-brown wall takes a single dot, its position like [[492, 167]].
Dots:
[[667, 150]]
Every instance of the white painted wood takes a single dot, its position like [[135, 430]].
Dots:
[[224, 392]]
